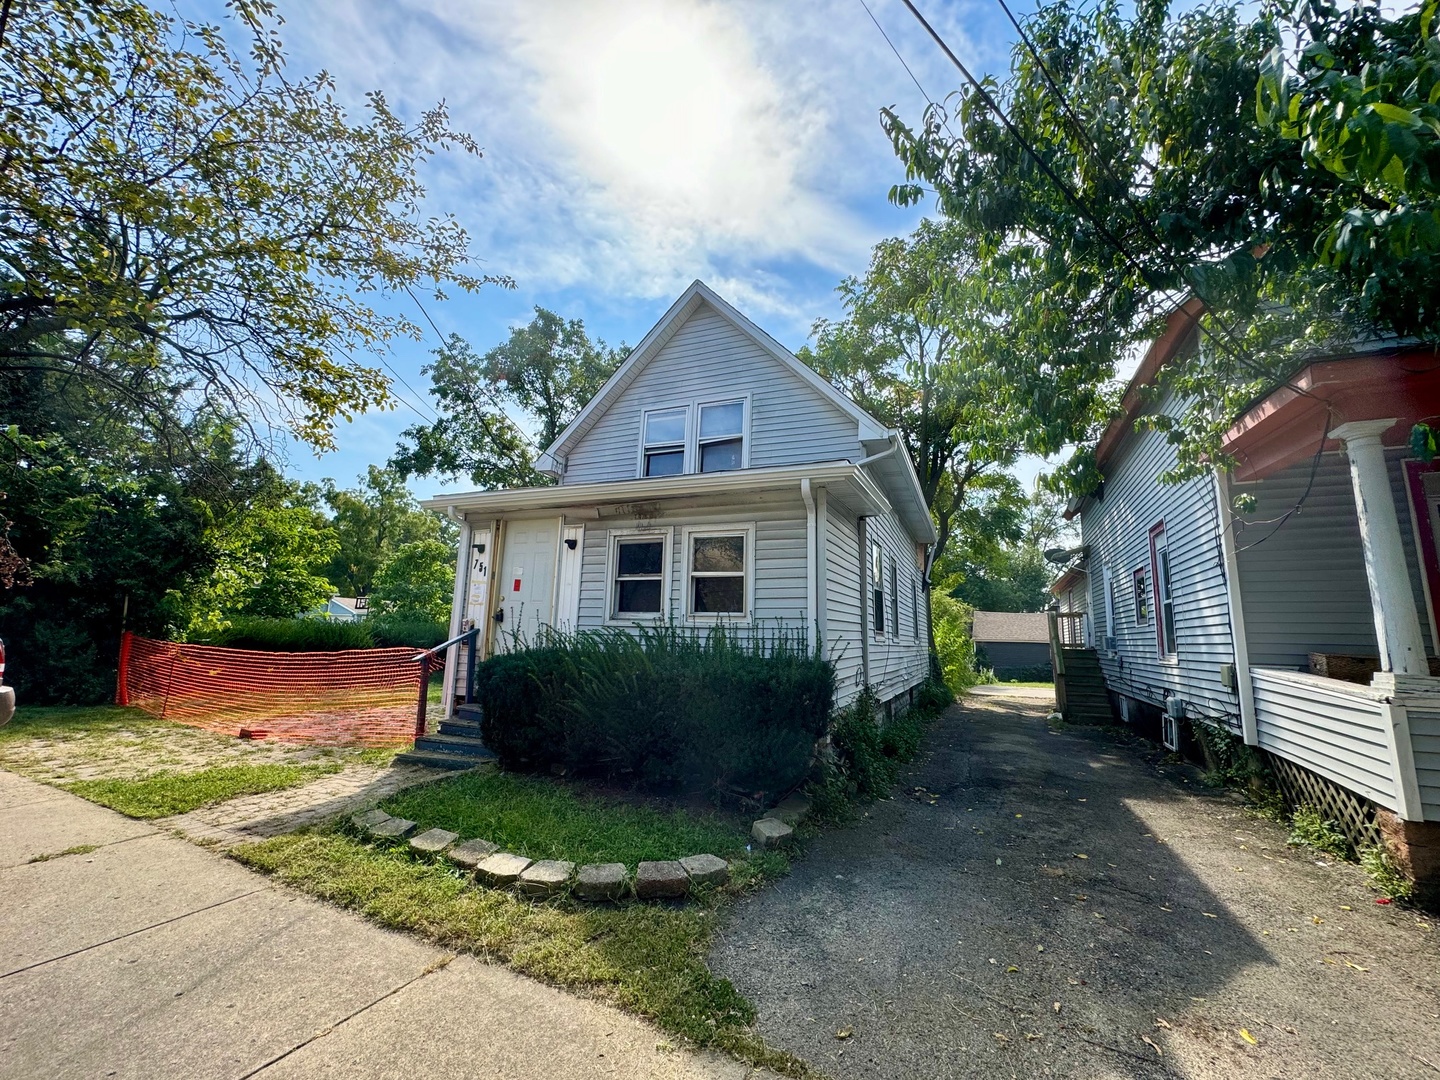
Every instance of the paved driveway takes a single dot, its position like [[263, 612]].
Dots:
[[149, 957], [1039, 903]]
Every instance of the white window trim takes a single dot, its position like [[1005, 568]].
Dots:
[[685, 455], [893, 581], [870, 586], [691, 445], [692, 458], [1107, 585], [612, 550], [1167, 650], [915, 608], [747, 529]]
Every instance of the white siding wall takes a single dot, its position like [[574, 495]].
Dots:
[[898, 658], [1117, 528], [779, 560], [1328, 727], [844, 594], [1303, 583], [1425, 744], [708, 357]]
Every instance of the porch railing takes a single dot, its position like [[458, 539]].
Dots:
[[1071, 627], [427, 658]]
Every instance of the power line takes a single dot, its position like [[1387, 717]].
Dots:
[[928, 99]]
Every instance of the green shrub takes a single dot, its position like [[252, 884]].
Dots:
[[950, 619], [1308, 828], [664, 709], [291, 635], [400, 628], [869, 753], [1384, 875]]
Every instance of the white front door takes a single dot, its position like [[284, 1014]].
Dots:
[[525, 575]]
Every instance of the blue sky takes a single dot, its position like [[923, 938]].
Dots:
[[635, 145]]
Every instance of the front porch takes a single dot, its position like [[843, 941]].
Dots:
[[1337, 572]]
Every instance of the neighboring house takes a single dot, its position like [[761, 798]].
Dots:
[[342, 609], [1245, 622], [713, 480], [1014, 645]]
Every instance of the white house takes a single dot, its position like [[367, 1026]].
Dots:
[[1304, 625], [713, 479]]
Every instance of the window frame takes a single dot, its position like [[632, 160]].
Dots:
[[1166, 647], [1140, 587], [683, 445], [687, 574], [1107, 599], [612, 577], [915, 608], [894, 583], [696, 443], [875, 579]]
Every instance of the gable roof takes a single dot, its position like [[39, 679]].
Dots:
[[868, 429], [1011, 626]]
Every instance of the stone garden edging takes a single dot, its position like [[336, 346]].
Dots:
[[661, 880]]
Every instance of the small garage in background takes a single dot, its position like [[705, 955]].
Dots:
[[1013, 644]]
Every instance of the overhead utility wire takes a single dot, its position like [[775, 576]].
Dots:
[[928, 99], [1072, 197]]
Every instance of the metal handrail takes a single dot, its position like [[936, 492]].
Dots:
[[424, 658]]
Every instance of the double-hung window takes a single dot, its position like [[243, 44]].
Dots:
[[1142, 597], [664, 441], [877, 588], [915, 609], [1164, 599], [717, 570], [720, 444], [894, 599], [639, 582]]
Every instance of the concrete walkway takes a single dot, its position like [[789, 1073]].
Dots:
[[1063, 903], [149, 957]]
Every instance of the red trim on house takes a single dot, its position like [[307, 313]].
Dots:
[[1156, 602], [1420, 509], [1289, 425], [1178, 326]]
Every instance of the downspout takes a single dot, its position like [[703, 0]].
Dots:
[[1243, 687], [812, 565], [894, 440], [861, 530]]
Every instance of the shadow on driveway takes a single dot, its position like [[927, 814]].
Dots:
[[1039, 902]]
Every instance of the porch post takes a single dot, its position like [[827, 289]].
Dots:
[[1397, 625]]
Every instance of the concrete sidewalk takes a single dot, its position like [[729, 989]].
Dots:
[[149, 957]]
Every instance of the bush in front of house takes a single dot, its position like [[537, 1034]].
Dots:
[[413, 629], [290, 635], [663, 709]]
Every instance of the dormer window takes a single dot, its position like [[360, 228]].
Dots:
[[722, 436], [665, 442]]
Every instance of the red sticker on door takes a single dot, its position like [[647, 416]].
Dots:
[[516, 586]]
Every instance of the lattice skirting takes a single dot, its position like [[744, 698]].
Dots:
[[1353, 815]]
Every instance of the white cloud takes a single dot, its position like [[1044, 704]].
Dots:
[[631, 147]]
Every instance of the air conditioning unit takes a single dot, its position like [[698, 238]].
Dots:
[[1170, 723], [1109, 642]]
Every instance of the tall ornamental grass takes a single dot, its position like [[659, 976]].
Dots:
[[664, 709]]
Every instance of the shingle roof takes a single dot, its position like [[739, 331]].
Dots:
[[1011, 626]]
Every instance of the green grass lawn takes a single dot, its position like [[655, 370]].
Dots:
[[71, 722], [543, 818], [648, 958], [164, 793]]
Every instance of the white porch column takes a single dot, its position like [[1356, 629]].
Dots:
[[1397, 624]]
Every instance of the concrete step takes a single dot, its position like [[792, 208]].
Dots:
[[463, 728], [452, 762], [470, 711], [453, 744]]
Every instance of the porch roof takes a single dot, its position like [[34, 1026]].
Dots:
[[847, 480], [1290, 423]]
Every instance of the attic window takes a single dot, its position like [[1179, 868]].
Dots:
[[665, 442], [722, 436]]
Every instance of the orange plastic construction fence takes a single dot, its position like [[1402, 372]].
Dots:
[[351, 696]]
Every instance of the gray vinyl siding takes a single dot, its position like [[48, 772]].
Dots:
[[1303, 582], [898, 658], [779, 561], [844, 594], [1425, 744], [1116, 527], [1332, 730], [790, 423]]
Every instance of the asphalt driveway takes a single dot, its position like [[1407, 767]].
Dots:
[[1062, 903]]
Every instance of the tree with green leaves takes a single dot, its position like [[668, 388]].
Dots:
[[544, 373], [171, 205], [1280, 165], [374, 521], [415, 581], [922, 349]]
